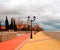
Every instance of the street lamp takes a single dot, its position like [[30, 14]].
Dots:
[[31, 20]]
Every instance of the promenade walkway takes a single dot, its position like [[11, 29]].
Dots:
[[41, 41], [14, 43]]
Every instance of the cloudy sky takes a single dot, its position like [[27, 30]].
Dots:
[[48, 8], [45, 10]]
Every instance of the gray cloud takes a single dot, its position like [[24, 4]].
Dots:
[[45, 10]]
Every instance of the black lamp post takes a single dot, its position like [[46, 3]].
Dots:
[[31, 20], [0, 25]]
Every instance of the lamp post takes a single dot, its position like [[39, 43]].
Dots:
[[31, 20], [0, 25]]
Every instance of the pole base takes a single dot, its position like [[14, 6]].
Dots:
[[31, 37]]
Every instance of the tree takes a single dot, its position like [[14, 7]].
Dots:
[[6, 24], [15, 27], [12, 24]]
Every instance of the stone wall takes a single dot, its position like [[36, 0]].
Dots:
[[55, 35], [7, 36]]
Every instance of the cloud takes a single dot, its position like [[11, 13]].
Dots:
[[45, 10], [24, 7]]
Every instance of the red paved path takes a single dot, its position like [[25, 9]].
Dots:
[[13, 43]]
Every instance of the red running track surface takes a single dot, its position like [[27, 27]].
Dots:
[[13, 43]]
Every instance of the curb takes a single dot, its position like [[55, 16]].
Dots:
[[19, 46]]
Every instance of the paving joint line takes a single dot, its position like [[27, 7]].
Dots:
[[39, 40]]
